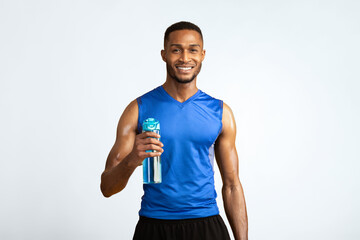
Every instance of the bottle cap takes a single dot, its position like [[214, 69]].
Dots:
[[151, 124]]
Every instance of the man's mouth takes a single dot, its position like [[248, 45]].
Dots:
[[184, 68]]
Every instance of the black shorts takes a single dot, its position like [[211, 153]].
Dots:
[[208, 228]]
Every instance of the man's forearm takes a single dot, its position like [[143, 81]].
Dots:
[[235, 209], [115, 179]]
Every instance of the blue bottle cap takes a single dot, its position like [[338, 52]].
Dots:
[[151, 124]]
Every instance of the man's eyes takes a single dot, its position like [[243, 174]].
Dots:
[[176, 50]]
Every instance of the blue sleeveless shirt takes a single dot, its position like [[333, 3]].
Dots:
[[188, 131]]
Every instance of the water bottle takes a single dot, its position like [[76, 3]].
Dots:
[[151, 165]]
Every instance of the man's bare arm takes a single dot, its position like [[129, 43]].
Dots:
[[128, 152], [232, 191]]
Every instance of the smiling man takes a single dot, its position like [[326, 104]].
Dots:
[[195, 127], [184, 71]]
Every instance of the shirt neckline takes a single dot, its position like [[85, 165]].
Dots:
[[180, 104]]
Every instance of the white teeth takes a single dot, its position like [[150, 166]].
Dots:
[[184, 68]]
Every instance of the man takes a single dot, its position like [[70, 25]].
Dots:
[[194, 128]]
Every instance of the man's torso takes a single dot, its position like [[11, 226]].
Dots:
[[188, 131]]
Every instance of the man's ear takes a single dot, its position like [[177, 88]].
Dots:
[[203, 54], [163, 53]]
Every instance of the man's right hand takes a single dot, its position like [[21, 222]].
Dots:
[[143, 142]]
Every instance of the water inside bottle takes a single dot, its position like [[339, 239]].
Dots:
[[152, 168]]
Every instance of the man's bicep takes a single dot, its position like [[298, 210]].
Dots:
[[125, 135], [227, 159], [225, 149]]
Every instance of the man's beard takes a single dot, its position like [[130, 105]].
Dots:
[[173, 76]]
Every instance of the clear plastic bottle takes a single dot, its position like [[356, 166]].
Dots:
[[152, 165]]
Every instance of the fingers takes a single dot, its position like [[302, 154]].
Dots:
[[156, 146], [150, 147], [148, 138], [148, 134], [153, 141], [147, 145], [145, 154], [146, 151]]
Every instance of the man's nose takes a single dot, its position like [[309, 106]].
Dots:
[[184, 56]]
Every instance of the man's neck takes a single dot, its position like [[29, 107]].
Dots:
[[180, 91]]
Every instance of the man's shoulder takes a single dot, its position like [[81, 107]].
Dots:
[[150, 94], [207, 97]]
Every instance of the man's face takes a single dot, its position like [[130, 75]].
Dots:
[[183, 55]]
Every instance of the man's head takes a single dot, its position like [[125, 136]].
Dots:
[[181, 26], [183, 51]]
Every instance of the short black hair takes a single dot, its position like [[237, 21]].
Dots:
[[181, 26]]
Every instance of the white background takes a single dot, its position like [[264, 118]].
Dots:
[[288, 69]]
